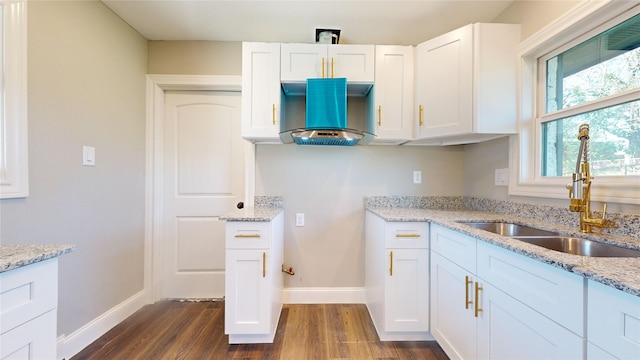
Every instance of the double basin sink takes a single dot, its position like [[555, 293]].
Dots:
[[553, 241]]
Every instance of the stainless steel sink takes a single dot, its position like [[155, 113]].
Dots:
[[509, 229], [577, 246]]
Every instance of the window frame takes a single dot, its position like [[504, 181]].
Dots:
[[14, 174], [587, 19]]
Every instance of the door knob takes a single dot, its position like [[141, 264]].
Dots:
[[240, 205]]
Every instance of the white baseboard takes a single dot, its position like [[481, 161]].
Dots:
[[69, 346], [323, 295]]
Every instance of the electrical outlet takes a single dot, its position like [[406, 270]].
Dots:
[[299, 219], [417, 177], [501, 177]]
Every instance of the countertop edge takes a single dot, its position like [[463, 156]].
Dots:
[[15, 256], [253, 214]]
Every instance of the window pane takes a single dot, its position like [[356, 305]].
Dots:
[[614, 142], [604, 65]]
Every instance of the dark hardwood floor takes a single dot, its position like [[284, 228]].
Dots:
[[195, 330]]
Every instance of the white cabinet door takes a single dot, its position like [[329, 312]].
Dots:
[[466, 83], [354, 62], [508, 329], [247, 305], [444, 78], [261, 94], [613, 321], [407, 290], [394, 94], [452, 301], [302, 61], [298, 62]]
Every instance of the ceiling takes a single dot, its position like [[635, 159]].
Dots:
[[361, 22]]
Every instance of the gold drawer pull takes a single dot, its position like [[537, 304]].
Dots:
[[391, 263], [323, 68], [467, 282], [407, 235], [273, 114], [264, 264], [420, 121], [244, 236], [478, 289], [332, 76], [379, 115]]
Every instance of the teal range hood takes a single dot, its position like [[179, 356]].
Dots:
[[326, 116]]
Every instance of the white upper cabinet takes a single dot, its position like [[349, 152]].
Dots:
[[393, 94], [466, 85], [302, 61], [261, 94]]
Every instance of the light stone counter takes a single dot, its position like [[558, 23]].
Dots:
[[266, 208], [620, 273], [19, 255], [259, 214]]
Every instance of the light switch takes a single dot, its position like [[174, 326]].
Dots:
[[88, 156], [417, 177], [299, 219]]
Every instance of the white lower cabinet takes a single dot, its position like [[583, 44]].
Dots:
[[453, 323], [28, 311], [613, 326], [397, 278], [253, 280], [473, 317], [509, 329]]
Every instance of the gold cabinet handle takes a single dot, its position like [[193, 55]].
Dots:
[[478, 289], [407, 235], [420, 121], [467, 282], [241, 236], [323, 68], [379, 115], [264, 264], [332, 76], [273, 114], [391, 263]]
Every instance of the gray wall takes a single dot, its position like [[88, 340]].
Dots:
[[328, 184], [86, 86]]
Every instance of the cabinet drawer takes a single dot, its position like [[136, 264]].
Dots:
[[555, 293], [613, 321], [248, 235], [34, 340], [407, 235], [27, 293], [458, 248]]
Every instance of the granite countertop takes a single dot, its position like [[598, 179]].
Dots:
[[253, 214], [620, 273], [19, 255]]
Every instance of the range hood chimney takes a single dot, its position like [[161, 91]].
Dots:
[[326, 117]]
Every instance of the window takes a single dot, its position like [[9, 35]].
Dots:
[[583, 68], [590, 77]]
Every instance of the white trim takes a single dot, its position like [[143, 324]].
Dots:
[[14, 158], [156, 87], [68, 346], [323, 295], [524, 164]]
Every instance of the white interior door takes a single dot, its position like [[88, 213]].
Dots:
[[203, 179]]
